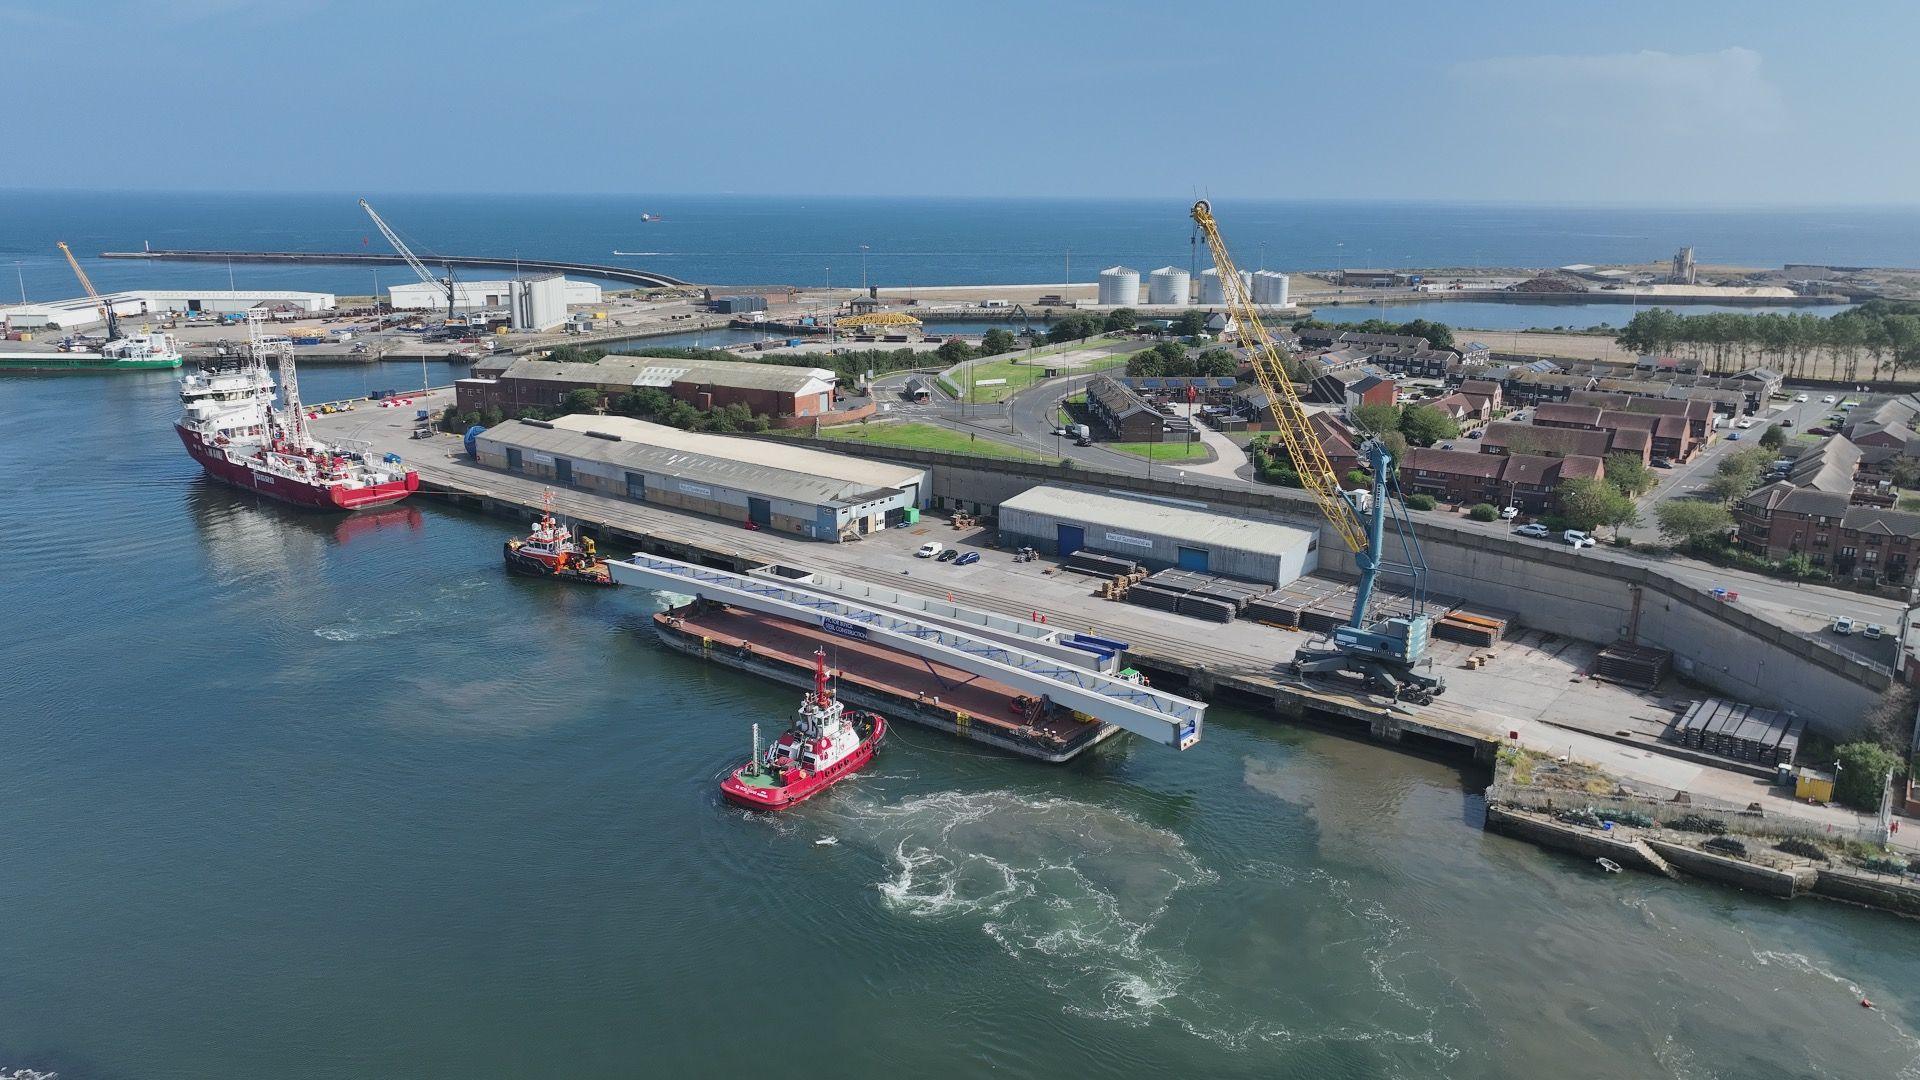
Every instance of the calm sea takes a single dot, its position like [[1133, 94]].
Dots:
[[739, 240]]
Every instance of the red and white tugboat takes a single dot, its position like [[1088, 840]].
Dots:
[[826, 744], [551, 550], [231, 427]]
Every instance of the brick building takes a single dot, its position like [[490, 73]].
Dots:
[[1698, 414], [1125, 415], [789, 396], [1662, 436], [1504, 437], [1859, 543], [1528, 481]]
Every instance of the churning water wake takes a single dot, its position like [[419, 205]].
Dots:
[[1087, 895]]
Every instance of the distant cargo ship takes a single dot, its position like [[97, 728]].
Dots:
[[231, 427], [144, 352]]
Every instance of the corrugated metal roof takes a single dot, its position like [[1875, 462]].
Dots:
[[752, 465], [1187, 526], [662, 371]]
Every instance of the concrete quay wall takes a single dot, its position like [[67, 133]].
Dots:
[[1546, 832]]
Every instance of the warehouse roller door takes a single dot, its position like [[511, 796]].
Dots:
[[1069, 539]]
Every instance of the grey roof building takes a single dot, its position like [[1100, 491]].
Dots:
[[789, 489], [1062, 520]]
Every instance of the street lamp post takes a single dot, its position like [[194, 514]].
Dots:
[[863, 268]]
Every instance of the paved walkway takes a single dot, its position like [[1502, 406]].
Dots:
[[1228, 458]]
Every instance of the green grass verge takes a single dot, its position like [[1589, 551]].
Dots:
[[1160, 451], [929, 437], [1023, 371]]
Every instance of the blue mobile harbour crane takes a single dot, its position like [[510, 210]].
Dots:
[[1385, 653]]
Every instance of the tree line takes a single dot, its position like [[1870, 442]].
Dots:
[[1883, 336], [1439, 335]]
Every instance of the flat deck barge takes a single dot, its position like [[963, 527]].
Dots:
[[894, 684]]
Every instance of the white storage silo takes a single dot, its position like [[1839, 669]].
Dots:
[[1119, 286], [1270, 287], [1169, 286], [1212, 294]]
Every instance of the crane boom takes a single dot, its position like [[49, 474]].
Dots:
[[400, 246], [1385, 653], [107, 315], [1290, 416]]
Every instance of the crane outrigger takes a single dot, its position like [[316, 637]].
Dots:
[[1384, 653]]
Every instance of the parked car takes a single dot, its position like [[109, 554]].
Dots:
[[1733, 436], [1661, 463], [1533, 529], [1576, 538], [1744, 424], [968, 559], [947, 556], [1475, 434], [1873, 632], [1799, 397], [1509, 513], [1829, 399], [1819, 431], [1786, 423], [1843, 625], [928, 550]]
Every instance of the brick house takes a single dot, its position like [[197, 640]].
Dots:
[[1483, 388], [1464, 478], [1338, 440], [1698, 413], [1126, 415], [1635, 433], [1371, 390], [1858, 543], [1525, 386], [1461, 477], [1505, 436]]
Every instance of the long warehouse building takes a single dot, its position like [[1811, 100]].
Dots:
[[787, 489], [1061, 521]]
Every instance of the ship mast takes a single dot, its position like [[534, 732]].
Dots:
[[821, 696], [293, 421]]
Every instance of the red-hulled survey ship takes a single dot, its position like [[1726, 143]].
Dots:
[[826, 744], [230, 425]]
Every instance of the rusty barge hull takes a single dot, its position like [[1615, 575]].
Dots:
[[898, 686]]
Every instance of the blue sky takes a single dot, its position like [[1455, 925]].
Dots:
[[1600, 102]]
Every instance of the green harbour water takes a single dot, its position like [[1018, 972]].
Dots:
[[310, 797]]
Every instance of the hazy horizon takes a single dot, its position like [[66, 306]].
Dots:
[[1632, 104]]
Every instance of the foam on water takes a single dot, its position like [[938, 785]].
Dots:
[[1084, 893]]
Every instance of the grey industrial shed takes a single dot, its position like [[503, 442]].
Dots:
[[1060, 521], [788, 489]]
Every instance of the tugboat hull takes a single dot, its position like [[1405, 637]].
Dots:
[[741, 790], [519, 562]]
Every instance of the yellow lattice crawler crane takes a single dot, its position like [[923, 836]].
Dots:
[[1383, 653]]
